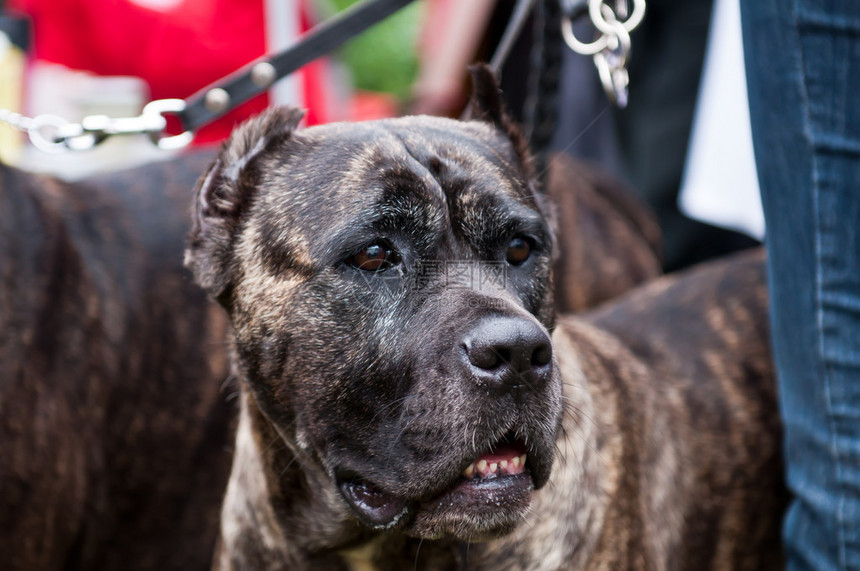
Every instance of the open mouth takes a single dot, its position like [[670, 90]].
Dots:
[[496, 482], [505, 460]]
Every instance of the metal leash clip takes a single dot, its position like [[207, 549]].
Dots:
[[611, 49], [53, 134], [94, 129]]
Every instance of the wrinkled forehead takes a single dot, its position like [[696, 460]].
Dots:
[[420, 166], [353, 158]]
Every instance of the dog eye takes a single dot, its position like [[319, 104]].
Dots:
[[377, 257], [519, 250]]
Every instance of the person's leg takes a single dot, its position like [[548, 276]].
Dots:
[[803, 75]]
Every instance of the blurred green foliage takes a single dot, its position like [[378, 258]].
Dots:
[[384, 57]]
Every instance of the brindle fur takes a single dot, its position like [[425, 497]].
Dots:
[[659, 411], [113, 423], [608, 240], [670, 452]]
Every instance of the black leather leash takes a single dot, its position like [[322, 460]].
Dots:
[[519, 16], [54, 134], [217, 99]]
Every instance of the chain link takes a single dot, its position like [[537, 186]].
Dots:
[[42, 130], [611, 49], [15, 120]]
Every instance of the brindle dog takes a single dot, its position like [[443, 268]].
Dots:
[[403, 404], [114, 426], [608, 241]]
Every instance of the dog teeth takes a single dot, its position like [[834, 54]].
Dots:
[[485, 469]]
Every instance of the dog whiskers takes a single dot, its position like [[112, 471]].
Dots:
[[227, 382], [387, 407], [397, 439], [287, 467], [578, 428], [270, 444], [417, 551], [571, 406]]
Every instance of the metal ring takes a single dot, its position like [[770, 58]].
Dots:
[[595, 12], [175, 142], [618, 40], [39, 140], [581, 48], [610, 64], [614, 81], [605, 75], [158, 108], [162, 106]]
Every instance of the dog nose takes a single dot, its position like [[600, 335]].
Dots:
[[508, 353]]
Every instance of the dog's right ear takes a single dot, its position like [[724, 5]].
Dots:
[[488, 104], [223, 194]]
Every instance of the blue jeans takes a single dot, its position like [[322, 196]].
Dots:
[[803, 74]]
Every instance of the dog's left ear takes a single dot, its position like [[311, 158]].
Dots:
[[487, 104], [223, 194]]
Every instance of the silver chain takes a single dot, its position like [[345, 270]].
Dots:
[[611, 49], [53, 134]]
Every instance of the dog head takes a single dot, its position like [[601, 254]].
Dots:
[[389, 288]]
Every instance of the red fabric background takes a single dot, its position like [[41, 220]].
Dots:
[[177, 50]]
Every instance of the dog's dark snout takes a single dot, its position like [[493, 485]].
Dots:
[[508, 352]]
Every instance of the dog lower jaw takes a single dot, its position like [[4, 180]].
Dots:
[[475, 510], [496, 487], [471, 509]]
